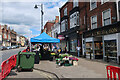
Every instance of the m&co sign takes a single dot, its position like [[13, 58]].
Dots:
[[61, 37]]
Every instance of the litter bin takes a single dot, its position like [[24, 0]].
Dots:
[[25, 60]]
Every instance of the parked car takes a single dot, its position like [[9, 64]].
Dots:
[[13, 47], [9, 47], [17, 46], [3, 48]]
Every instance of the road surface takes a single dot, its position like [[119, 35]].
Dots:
[[5, 54]]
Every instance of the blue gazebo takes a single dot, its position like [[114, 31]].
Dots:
[[44, 38]]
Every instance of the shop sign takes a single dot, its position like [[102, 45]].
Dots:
[[61, 37], [102, 31]]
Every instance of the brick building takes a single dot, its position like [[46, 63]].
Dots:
[[22, 41], [81, 22], [47, 27], [6, 37], [69, 21], [13, 37], [100, 40]]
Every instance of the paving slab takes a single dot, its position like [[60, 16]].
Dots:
[[85, 69]]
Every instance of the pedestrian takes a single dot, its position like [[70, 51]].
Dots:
[[78, 50], [65, 49], [28, 49]]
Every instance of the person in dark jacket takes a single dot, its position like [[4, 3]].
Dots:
[[28, 49]]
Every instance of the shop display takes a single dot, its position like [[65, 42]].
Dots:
[[111, 49], [98, 49], [89, 49]]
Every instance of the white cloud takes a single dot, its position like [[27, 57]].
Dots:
[[21, 29], [23, 17]]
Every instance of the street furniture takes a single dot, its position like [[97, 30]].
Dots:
[[25, 60]]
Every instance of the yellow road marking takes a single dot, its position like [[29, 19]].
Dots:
[[45, 75]]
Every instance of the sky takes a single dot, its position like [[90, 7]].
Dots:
[[24, 18]]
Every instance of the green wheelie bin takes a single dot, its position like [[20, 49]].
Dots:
[[25, 60]]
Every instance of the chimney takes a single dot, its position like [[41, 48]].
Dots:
[[56, 19]]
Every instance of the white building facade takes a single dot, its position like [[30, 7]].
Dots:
[[55, 30]]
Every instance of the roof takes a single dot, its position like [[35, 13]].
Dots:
[[44, 38]]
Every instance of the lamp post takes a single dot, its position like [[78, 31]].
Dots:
[[77, 37], [42, 13]]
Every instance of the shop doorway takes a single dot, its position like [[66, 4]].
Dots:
[[94, 48], [98, 47]]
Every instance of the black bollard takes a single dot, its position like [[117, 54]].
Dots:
[[84, 55], [119, 60], [90, 55], [107, 59]]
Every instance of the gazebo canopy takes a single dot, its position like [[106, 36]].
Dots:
[[44, 38]]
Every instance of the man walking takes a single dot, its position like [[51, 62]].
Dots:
[[78, 50]]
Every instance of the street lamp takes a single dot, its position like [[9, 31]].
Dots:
[[36, 7]]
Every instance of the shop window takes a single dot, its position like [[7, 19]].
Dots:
[[74, 19], [73, 45], [93, 4], [65, 12], [106, 17], [89, 48], [94, 22], [75, 3], [111, 49], [98, 49]]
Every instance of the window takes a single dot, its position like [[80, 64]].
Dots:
[[75, 3], [84, 19], [64, 25], [93, 4], [93, 22], [65, 11], [106, 17], [73, 45], [74, 20], [104, 1]]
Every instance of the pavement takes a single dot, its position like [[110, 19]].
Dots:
[[85, 69]]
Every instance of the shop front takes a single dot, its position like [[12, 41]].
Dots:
[[102, 43], [71, 40]]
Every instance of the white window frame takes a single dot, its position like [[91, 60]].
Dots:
[[92, 22], [104, 1], [91, 5], [75, 3], [63, 24], [74, 19], [65, 11], [102, 16]]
